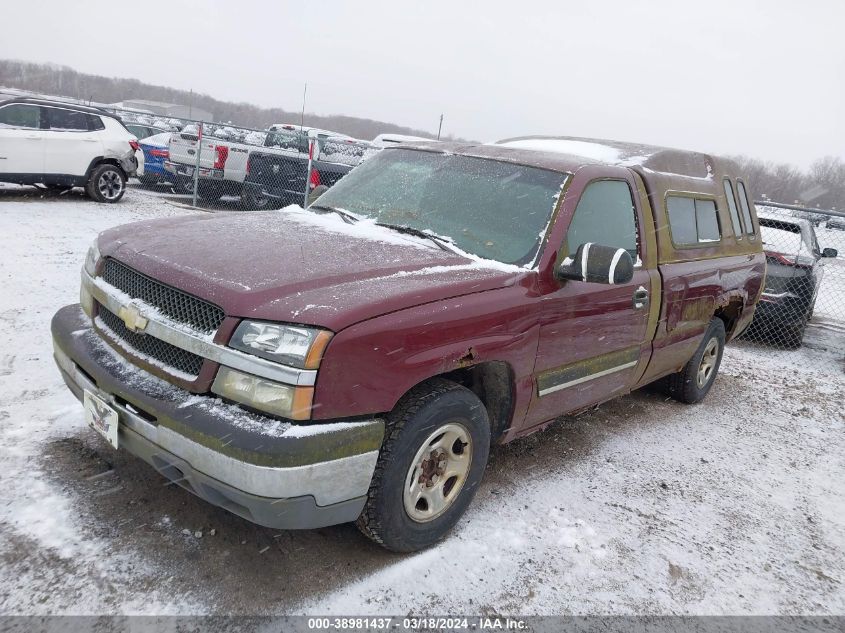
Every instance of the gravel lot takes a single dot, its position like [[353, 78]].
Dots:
[[646, 506]]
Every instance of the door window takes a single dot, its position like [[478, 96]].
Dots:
[[605, 215], [68, 120], [20, 115]]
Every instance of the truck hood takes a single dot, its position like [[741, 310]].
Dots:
[[300, 267]]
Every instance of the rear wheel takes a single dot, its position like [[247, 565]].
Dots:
[[432, 460], [252, 199], [693, 382], [106, 184], [184, 185]]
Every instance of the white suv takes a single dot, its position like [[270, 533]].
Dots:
[[62, 145]]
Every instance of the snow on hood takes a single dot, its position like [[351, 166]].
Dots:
[[298, 266]]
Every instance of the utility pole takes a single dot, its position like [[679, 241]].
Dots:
[[302, 118], [191, 106], [440, 127]]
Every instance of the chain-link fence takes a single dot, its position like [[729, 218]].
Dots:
[[230, 166], [217, 163], [805, 274]]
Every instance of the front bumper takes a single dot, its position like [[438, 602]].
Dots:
[[271, 473]]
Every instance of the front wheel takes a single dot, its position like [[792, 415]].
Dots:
[[692, 383], [106, 184], [432, 460]]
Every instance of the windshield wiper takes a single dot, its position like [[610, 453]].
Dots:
[[443, 242], [347, 217]]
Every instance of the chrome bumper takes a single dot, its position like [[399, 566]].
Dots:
[[310, 490]]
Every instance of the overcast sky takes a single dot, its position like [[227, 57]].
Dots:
[[766, 79]]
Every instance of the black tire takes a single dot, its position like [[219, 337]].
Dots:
[[184, 185], [685, 386], [418, 416], [106, 184], [149, 181], [250, 200]]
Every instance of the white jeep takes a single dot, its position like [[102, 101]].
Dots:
[[61, 145]]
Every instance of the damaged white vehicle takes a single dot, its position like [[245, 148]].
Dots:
[[60, 145]]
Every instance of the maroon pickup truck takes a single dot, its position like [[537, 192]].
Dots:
[[355, 361]]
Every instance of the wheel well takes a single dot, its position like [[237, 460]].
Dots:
[[730, 316], [493, 383], [102, 161]]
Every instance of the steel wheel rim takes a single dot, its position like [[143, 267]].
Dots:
[[438, 472], [708, 362], [110, 185]]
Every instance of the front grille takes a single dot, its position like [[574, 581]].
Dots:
[[145, 345], [179, 306]]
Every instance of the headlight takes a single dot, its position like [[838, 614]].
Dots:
[[91, 259], [286, 401], [300, 347]]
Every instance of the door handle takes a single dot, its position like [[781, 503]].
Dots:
[[640, 298]]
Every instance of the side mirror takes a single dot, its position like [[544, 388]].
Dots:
[[830, 252], [598, 264]]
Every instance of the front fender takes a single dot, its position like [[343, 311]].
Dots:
[[369, 366]]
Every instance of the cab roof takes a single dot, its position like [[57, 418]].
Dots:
[[674, 168]]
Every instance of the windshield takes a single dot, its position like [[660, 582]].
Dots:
[[488, 208], [287, 139]]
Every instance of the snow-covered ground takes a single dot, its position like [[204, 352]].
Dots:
[[643, 506]]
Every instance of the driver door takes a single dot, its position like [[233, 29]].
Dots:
[[593, 341]]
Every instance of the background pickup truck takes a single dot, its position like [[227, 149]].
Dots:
[[223, 162], [279, 175]]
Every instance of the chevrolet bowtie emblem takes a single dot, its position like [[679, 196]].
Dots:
[[132, 318]]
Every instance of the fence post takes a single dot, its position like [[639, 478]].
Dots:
[[308, 172], [197, 166]]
